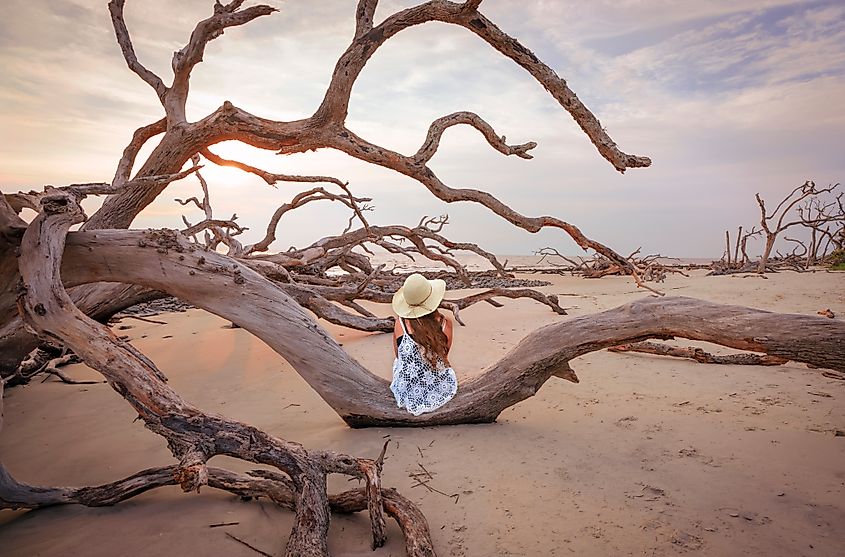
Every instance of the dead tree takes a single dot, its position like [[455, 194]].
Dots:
[[808, 208], [34, 296], [741, 262], [783, 211], [826, 221], [736, 262], [40, 260], [164, 259], [192, 435], [179, 140]]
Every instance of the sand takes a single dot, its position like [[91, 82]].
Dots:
[[646, 456]]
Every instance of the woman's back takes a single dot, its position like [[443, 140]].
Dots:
[[423, 379], [418, 385]]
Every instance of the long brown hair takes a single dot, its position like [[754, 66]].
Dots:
[[428, 333]]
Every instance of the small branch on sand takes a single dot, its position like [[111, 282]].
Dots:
[[221, 524], [422, 478], [252, 547], [146, 320]]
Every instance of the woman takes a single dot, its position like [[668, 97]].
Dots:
[[423, 379]]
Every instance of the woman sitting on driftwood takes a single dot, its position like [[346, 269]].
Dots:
[[423, 379]]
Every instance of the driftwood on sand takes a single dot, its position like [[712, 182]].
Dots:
[[58, 285], [699, 355], [34, 298], [192, 435], [359, 397], [222, 285], [649, 268]]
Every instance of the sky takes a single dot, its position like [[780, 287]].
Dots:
[[728, 98]]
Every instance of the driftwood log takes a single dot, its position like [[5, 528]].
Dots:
[[699, 355], [52, 282], [230, 289], [648, 268]]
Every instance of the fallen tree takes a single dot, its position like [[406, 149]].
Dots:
[[36, 308], [648, 268], [193, 436], [54, 281], [165, 260], [699, 355]]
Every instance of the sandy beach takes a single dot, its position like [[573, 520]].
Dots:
[[646, 456]]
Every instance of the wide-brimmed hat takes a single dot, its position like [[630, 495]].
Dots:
[[418, 296]]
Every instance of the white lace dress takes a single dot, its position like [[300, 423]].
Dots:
[[417, 386]]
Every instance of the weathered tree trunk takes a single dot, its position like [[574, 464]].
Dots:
[[728, 247], [227, 288], [767, 252], [163, 261], [99, 301], [736, 247]]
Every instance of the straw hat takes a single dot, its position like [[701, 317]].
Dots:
[[418, 296]]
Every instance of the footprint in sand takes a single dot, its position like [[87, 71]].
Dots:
[[626, 422], [686, 541], [692, 452], [648, 493]]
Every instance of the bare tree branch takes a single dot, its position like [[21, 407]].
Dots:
[[125, 42], [139, 139], [361, 149], [184, 60], [336, 101], [435, 132], [364, 14], [269, 177], [303, 198]]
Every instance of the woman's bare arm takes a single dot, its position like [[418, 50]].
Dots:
[[397, 332], [447, 329]]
